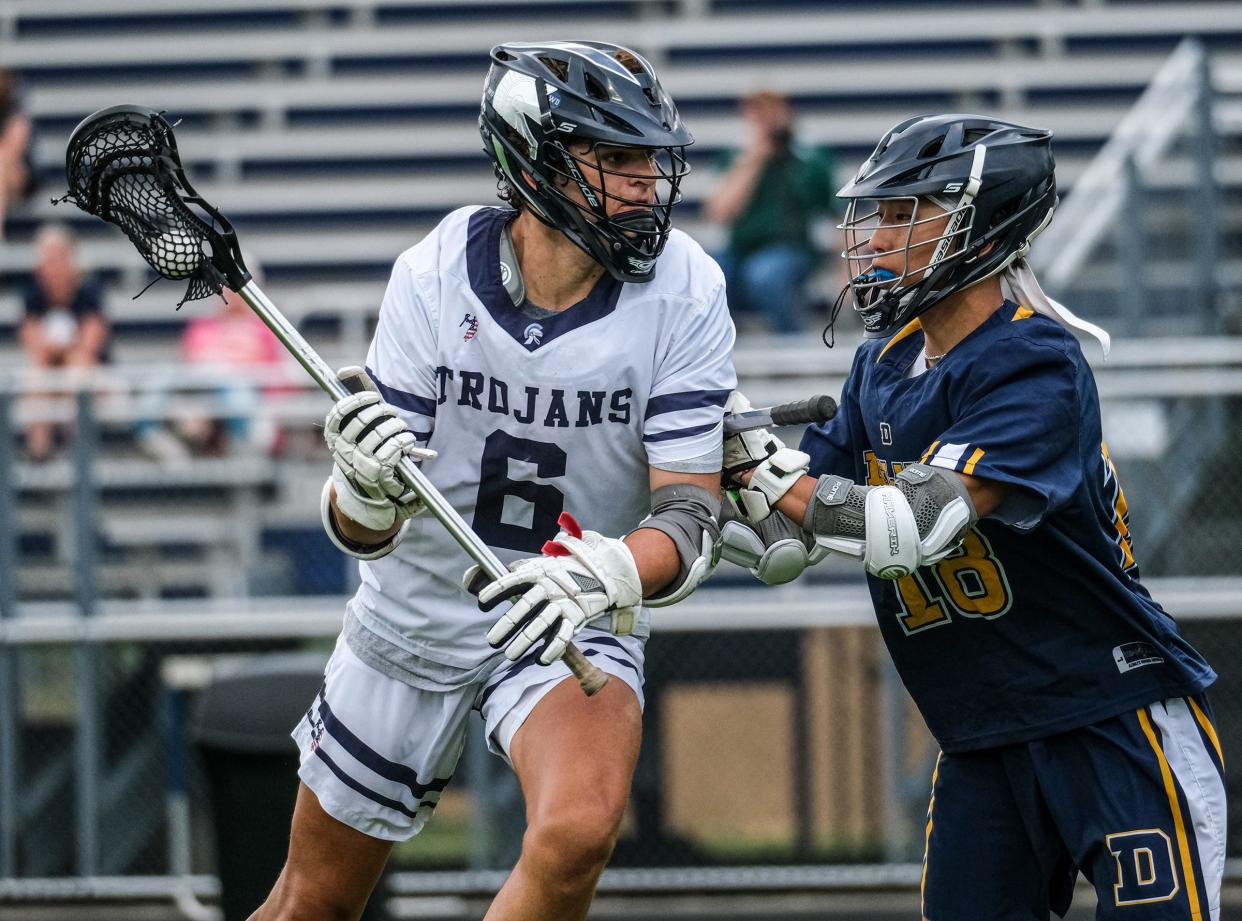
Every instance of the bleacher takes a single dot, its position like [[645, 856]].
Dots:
[[335, 133]]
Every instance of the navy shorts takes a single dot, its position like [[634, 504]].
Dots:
[[1135, 803]]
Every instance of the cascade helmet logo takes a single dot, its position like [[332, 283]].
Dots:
[[471, 322], [533, 334], [642, 266]]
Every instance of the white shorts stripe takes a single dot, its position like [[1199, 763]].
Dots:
[[376, 752], [1201, 784]]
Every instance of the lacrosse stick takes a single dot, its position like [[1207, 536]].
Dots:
[[122, 165], [812, 410]]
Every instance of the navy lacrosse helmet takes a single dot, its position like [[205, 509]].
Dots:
[[541, 98], [993, 179]]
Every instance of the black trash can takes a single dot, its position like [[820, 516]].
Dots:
[[241, 728]]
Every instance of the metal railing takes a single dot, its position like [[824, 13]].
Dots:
[[1111, 201], [87, 622]]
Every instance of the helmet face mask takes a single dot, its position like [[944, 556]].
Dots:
[[582, 134], [943, 203], [893, 245]]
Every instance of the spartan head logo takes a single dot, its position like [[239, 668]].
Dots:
[[534, 334]]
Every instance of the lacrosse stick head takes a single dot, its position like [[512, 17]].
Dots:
[[122, 165]]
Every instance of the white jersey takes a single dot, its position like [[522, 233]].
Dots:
[[533, 417]]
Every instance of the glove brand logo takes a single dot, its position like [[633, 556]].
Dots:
[[554, 99], [886, 434], [894, 538], [533, 334], [472, 323], [836, 484]]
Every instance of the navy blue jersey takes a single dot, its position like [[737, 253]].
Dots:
[[1038, 623]]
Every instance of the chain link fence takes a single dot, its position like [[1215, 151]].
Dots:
[[778, 736]]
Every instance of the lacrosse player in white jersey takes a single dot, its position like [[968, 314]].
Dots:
[[568, 354]]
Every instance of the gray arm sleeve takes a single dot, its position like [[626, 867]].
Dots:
[[686, 514]]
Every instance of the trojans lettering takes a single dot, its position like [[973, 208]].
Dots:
[[531, 405]]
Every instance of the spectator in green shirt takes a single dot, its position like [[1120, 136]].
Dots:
[[770, 193]]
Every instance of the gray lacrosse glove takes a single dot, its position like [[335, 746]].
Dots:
[[775, 550]]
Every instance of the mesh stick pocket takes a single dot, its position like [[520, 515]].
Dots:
[[122, 165]]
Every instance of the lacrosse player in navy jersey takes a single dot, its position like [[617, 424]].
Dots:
[[967, 472], [569, 354]]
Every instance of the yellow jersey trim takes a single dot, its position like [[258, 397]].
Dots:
[[908, 330], [1021, 314], [974, 459]]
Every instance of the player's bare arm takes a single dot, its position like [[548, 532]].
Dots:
[[655, 552]]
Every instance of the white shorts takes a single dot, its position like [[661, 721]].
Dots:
[[377, 753]]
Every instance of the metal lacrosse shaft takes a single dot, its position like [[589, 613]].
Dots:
[[590, 677]]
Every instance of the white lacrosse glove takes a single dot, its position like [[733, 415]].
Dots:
[[776, 467], [775, 550], [582, 577], [367, 440]]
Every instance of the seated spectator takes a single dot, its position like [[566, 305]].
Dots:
[[64, 324], [767, 198], [16, 176], [232, 338]]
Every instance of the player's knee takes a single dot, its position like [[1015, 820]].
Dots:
[[292, 900], [576, 842]]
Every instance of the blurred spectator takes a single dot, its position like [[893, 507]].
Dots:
[[64, 324], [16, 176], [231, 340], [769, 195]]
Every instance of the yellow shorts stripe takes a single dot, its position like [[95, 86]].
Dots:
[[974, 459], [1208, 729], [931, 805], [1179, 824]]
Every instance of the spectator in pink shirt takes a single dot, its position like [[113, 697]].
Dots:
[[232, 338]]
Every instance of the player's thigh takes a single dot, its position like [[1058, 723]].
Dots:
[[376, 752], [991, 851], [330, 870], [1142, 801], [571, 753]]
